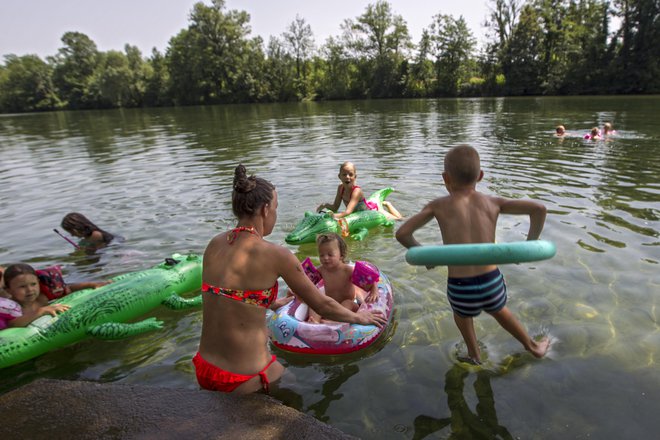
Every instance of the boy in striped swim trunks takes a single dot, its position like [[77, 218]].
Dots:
[[468, 216]]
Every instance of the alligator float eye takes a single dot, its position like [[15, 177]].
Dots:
[[171, 261]]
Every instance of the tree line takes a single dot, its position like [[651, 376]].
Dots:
[[534, 47]]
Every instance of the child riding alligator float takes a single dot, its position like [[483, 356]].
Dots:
[[355, 225]]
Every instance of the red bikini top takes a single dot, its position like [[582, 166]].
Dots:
[[261, 298]]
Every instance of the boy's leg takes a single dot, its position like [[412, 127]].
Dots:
[[466, 327], [511, 324]]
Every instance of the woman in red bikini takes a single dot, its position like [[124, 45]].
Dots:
[[239, 281]]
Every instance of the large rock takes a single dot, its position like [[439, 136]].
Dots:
[[54, 409]]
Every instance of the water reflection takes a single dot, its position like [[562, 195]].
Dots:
[[162, 178], [464, 422]]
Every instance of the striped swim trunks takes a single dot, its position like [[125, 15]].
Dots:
[[469, 296]]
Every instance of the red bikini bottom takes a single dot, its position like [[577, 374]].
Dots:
[[213, 378]]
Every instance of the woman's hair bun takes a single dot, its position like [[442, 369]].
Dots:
[[243, 183]]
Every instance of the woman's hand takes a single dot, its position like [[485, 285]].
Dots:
[[372, 318]]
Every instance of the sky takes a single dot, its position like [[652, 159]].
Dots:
[[37, 26]]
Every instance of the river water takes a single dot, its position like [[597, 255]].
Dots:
[[161, 178]]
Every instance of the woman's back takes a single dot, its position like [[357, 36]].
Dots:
[[233, 335]]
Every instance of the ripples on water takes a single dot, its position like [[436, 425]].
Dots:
[[162, 179]]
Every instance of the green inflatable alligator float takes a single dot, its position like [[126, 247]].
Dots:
[[103, 312], [356, 225]]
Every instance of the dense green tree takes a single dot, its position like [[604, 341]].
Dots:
[[501, 21], [74, 67], [26, 85], [522, 61], [420, 81], [380, 41], [337, 72], [587, 54], [156, 92], [299, 41], [111, 80], [452, 46], [280, 72], [120, 79], [213, 61], [140, 72], [637, 66]]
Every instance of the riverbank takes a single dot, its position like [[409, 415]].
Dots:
[[52, 409]]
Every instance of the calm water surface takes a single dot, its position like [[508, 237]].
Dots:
[[161, 179]]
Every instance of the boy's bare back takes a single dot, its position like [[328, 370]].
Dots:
[[466, 215]]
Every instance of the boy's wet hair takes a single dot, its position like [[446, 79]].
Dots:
[[14, 270], [75, 221], [329, 237], [462, 163], [250, 193]]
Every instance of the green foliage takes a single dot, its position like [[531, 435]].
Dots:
[[26, 85], [452, 45], [74, 66], [534, 47], [379, 41], [522, 60], [213, 61], [299, 44]]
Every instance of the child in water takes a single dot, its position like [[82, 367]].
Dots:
[[80, 226], [560, 131], [468, 216], [593, 135], [608, 129], [26, 286], [337, 275], [22, 284], [351, 194]]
